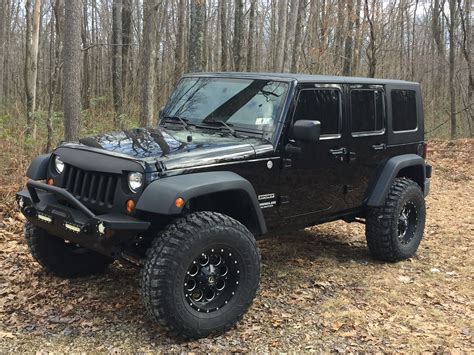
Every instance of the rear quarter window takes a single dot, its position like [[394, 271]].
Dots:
[[403, 110]]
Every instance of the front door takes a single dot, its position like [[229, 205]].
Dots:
[[311, 184]]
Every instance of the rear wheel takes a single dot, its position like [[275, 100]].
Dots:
[[394, 231], [201, 274], [61, 258]]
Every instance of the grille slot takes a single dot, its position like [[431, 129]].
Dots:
[[90, 186]]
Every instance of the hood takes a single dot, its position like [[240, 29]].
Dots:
[[173, 149]]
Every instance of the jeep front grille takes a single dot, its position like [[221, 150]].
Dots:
[[94, 188]]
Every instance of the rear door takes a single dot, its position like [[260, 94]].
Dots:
[[366, 139]]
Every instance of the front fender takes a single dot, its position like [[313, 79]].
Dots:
[[160, 196], [38, 167]]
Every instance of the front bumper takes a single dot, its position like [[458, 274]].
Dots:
[[72, 221]]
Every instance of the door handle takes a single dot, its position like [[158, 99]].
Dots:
[[338, 151], [377, 147]]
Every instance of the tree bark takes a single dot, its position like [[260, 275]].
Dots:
[[126, 40], [147, 62], [224, 47], [371, 48], [31, 62], [180, 63], [298, 37], [3, 19], [348, 44], [72, 70], [280, 46], [85, 59], [196, 37], [238, 35], [117, 61], [452, 89], [251, 36]]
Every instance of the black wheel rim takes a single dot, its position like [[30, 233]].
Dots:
[[212, 279], [407, 222]]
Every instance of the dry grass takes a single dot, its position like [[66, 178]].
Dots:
[[320, 289]]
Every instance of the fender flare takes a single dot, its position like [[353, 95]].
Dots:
[[38, 167], [389, 173], [160, 196]]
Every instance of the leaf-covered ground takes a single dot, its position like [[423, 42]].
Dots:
[[320, 290]]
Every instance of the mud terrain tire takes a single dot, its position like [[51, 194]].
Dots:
[[186, 256], [394, 231]]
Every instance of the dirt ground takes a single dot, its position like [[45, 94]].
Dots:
[[320, 290]]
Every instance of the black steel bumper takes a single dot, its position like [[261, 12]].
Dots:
[[72, 221]]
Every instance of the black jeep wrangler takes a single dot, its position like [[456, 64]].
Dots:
[[234, 156]]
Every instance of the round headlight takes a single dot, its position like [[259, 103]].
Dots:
[[58, 164], [135, 181]]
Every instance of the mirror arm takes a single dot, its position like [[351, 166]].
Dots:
[[292, 149]]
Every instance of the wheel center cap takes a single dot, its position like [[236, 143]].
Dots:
[[211, 279]]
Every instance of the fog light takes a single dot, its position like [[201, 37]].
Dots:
[[179, 202], [50, 181], [130, 206], [21, 202], [72, 227], [44, 218], [101, 228]]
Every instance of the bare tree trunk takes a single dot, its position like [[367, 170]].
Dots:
[[180, 64], [85, 60], [290, 34], [147, 62], [466, 50], [117, 61], [54, 66], [251, 45], [3, 48], [371, 48], [223, 20], [282, 24], [72, 69], [358, 38], [196, 37], [452, 89], [238, 34], [31, 63], [298, 36], [126, 39], [347, 62]]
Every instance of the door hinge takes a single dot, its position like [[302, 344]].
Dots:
[[348, 189], [287, 163]]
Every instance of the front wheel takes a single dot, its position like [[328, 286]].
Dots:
[[201, 275], [394, 231]]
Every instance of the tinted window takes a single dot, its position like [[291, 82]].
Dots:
[[320, 105], [403, 110], [239, 102], [366, 110]]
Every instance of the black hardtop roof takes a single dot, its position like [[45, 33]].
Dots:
[[305, 78]]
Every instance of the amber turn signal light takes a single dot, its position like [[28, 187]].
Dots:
[[50, 181], [130, 206], [179, 202]]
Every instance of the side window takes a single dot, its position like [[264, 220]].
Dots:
[[367, 113], [322, 105], [403, 110]]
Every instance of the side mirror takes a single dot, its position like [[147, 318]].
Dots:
[[306, 131]]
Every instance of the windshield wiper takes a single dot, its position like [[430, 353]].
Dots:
[[225, 125], [183, 121]]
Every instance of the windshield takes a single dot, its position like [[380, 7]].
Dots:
[[241, 103]]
